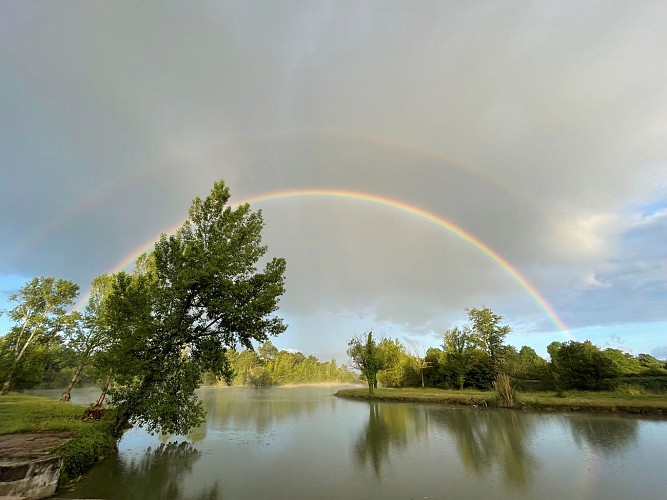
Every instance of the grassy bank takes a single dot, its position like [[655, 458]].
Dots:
[[608, 402], [20, 414]]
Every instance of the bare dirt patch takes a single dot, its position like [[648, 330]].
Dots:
[[32, 444]]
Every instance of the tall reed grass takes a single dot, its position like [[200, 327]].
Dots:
[[504, 390]]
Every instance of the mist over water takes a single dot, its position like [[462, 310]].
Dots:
[[302, 442]]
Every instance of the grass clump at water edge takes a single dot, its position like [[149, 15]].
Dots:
[[504, 390]]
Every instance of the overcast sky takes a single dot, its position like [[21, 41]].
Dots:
[[540, 128]]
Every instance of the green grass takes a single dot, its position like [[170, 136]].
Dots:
[[21, 413], [92, 440], [597, 401], [410, 395], [569, 401]]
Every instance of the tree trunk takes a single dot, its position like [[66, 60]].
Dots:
[[75, 378], [121, 423], [100, 400], [10, 379], [372, 384], [422, 378], [7, 385]]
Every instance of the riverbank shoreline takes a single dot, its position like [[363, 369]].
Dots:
[[593, 402], [35, 427]]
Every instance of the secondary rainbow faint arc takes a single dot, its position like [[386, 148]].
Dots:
[[383, 201]]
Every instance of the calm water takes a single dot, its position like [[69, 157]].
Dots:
[[304, 443]]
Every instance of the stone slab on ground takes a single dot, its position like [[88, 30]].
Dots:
[[27, 467]]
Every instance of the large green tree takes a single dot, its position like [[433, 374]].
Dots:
[[196, 295], [488, 334], [41, 317]]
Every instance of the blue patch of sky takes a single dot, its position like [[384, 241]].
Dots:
[[9, 284], [636, 338], [653, 208]]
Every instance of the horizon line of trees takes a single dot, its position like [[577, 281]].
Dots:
[[476, 354], [267, 366]]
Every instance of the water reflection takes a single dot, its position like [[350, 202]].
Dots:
[[606, 434], [158, 474], [304, 443], [389, 428], [254, 409], [492, 440]]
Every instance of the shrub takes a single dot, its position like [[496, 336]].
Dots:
[[84, 450], [504, 391], [630, 389]]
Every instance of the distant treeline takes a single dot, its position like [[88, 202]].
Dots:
[[52, 366], [267, 366], [474, 355]]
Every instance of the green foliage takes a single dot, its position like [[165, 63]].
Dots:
[[243, 365], [93, 443], [399, 370], [530, 366], [41, 318], [92, 334], [472, 356], [481, 373], [487, 334], [622, 363], [459, 348], [651, 366], [370, 357], [580, 365], [268, 367], [404, 372], [198, 294]]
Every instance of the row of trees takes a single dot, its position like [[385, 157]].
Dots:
[[267, 366], [34, 345], [474, 355], [156, 331]]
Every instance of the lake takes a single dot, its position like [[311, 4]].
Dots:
[[302, 442]]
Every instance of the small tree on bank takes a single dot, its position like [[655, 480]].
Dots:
[[370, 357]]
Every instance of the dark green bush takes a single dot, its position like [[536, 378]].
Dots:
[[86, 448]]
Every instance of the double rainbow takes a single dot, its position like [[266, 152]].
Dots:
[[414, 210]]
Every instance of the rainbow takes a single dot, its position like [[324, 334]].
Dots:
[[39, 233], [441, 222]]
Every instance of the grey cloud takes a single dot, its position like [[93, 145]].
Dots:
[[531, 127]]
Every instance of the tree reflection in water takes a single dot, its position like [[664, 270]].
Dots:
[[257, 408], [492, 439], [606, 434], [157, 474], [390, 428]]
